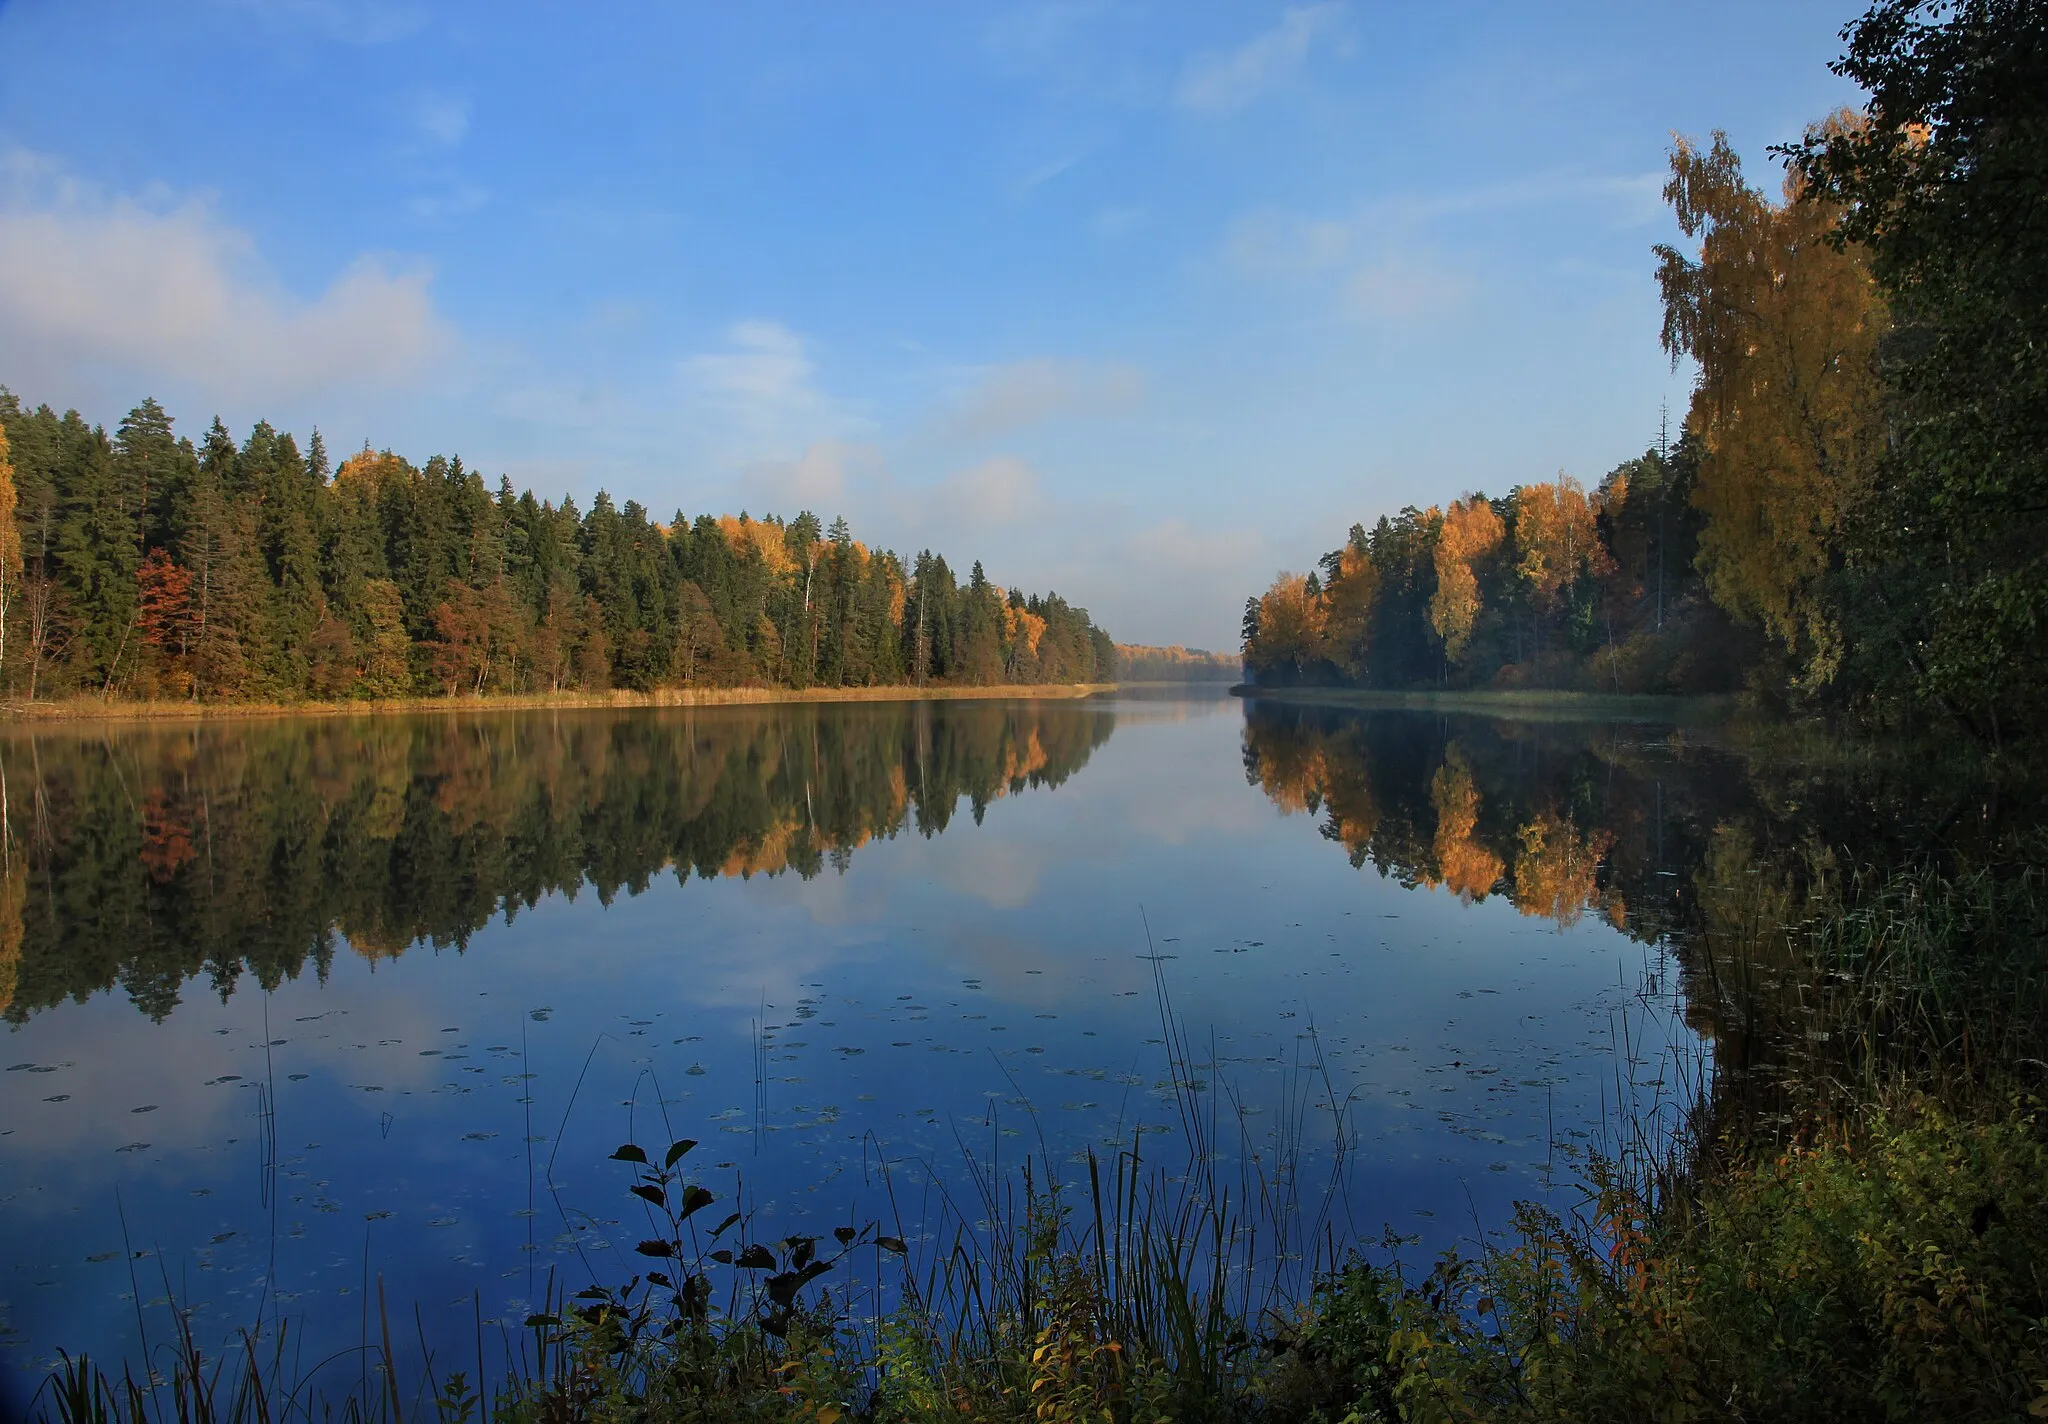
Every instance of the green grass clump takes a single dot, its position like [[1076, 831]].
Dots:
[[1900, 1276]]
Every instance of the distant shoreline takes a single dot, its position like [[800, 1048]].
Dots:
[[93, 709], [1632, 707]]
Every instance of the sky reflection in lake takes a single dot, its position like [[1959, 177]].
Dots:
[[905, 933]]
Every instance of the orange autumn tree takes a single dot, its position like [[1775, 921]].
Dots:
[[1022, 630], [1784, 326], [163, 596], [1469, 532], [1291, 622], [1557, 538], [1348, 598]]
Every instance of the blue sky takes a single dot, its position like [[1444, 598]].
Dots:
[[1140, 301]]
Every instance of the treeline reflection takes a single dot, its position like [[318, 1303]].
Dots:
[[1723, 855], [1561, 821], [149, 858]]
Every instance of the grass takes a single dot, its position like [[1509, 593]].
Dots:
[[1855, 1228], [95, 709]]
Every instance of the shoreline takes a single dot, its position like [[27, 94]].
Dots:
[[1555, 704], [93, 709]]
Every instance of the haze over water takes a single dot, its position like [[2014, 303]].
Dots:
[[303, 1004]]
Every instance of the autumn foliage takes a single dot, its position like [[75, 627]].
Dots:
[[1517, 591]]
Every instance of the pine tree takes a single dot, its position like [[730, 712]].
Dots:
[[97, 553]]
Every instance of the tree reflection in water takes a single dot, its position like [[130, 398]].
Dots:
[[162, 854]]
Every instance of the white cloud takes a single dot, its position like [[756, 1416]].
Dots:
[[1387, 269], [761, 386], [1031, 392], [1283, 244], [458, 200], [613, 316], [1385, 276], [442, 120], [1403, 291], [1176, 545], [1043, 171], [364, 22], [1115, 220], [170, 294], [820, 478], [999, 491], [1224, 83]]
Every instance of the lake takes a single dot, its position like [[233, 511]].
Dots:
[[297, 1006]]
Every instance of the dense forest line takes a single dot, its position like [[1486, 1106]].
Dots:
[[140, 565], [1854, 516], [266, 848]]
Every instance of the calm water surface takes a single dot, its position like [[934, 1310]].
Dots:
[[297, 1005]]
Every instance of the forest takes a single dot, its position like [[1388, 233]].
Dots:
[[1852, 518], [141, 566]]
